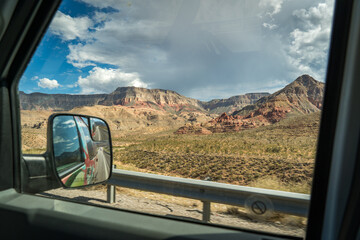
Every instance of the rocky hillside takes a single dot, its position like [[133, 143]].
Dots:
[[127, 110], [157, 99], [153, 98], [125, 96], [232, 104], [303, 96]]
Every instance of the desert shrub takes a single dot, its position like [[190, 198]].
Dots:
[[274, 149]]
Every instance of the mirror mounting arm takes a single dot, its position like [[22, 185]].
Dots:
[[36, 174]]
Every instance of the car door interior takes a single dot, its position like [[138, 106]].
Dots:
[[23, 23]]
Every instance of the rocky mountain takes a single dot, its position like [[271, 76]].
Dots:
[[167, 100], [232, 104], [154, 98], [302, 96], [127, 110]]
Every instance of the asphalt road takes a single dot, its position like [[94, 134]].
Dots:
[[102, 165]]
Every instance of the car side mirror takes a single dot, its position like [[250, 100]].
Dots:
[[80, 149]]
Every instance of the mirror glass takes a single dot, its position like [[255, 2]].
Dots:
[[82, 150]]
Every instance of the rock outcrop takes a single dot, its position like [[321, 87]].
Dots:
[[193, 129], [154, 98]]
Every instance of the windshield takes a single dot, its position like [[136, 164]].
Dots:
[[220, 91]]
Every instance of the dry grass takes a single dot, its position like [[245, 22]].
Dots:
[[280, 156]]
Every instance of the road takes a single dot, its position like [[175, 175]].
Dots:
[[102, 165]]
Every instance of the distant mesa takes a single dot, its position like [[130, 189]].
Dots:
[[57, 102]]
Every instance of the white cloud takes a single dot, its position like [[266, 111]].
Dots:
[[269, 26], [69, 28], [47, 83], [147, 34], [122, 43], [308, 50], [176, 44], [272, 7], [72, 85], [106, 80]]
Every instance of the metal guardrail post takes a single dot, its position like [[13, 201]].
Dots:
[[111, 192], [206, 211]]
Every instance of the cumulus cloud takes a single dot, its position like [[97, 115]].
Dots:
[[106, 80], [47, 83], [177, 45], [211, 48], [121, 43], [69, 28], [309, 45]]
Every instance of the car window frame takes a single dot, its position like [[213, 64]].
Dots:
[[22, 49]]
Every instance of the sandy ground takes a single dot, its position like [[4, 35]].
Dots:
[[191, 210]]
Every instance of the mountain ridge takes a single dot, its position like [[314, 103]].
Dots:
[[160, 99], [302, 96], [233, 103]]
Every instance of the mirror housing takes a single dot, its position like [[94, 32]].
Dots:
[[79, 149], [61, 165]]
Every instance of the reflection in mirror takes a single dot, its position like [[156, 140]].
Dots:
[[99, 131], [82, 156]]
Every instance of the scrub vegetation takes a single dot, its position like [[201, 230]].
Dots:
[[279, 156]]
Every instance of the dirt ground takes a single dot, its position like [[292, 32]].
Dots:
[[157, 204]]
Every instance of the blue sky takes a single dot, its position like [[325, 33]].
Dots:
[[201, 49]]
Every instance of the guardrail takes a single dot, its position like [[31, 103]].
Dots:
[[259, 201]]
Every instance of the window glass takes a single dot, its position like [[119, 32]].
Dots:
[[220, 91]]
